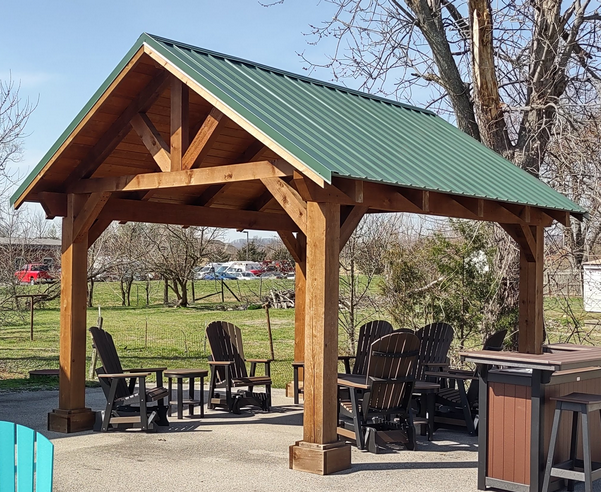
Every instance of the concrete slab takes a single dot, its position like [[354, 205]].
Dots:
[[246, 452]]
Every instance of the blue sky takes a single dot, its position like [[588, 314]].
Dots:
[[62, 51]]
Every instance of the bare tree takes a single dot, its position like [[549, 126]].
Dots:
[[176, 251], [361, 263], [502, 70], [14, 114]]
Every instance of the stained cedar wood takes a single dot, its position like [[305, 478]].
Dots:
[[300, 304], [321, 335], [73, 312]]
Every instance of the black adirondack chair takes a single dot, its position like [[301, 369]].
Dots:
[[126, 405], [378, 411], [455, 405], [228, 371], [435, 341], [368, 333]]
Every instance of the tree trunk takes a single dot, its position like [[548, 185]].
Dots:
[[122, 287], [166, 292]]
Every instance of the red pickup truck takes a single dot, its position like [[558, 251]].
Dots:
[[33, 273]]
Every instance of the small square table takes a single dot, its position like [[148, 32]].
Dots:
[[180, 375]]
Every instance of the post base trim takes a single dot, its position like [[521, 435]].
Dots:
[[321, 459], [70, 421]]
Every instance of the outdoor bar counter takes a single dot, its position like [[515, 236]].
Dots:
[[516, 412]]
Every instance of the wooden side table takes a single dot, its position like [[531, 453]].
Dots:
[[180, 375]]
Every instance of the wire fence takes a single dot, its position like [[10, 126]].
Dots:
[[184, 348]]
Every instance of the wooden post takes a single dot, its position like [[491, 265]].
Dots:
[[531, 294], [300, 293], [319, 451], [72, 414]]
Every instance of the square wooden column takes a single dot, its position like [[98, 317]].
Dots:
[[319, 451], [300, 294], [531, 292], [72, 414]]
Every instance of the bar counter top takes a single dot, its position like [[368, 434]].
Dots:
[[557, 357]]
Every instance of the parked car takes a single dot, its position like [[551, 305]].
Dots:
[[34, 273], [244, 275], [272, 274]]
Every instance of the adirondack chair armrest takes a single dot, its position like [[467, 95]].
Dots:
[[221, 362], [346, 357], [452, 375], [146, 369], [439, 365], [298, 364], [125, 375]]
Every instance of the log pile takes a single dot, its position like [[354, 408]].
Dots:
[[280, 299]]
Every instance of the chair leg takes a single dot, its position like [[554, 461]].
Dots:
[[465, 406], [357, 419], [552, 443], [143, 413], [109, 406], [296, 398], [212, 385], [573, 443], [586, 454]]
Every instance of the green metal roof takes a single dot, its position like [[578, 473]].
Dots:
[[338, 131]]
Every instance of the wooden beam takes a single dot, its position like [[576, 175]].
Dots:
[[179, 122], [191, 177], [236, 118], [54, 204], [321, 327], [251, 154], [559, 215], [118, 130], [72, 414], [88, 214], [191, 215], [292, 245], [300, 300], [209, 195], [96, 230], [289, 200], [523, 237], [472, 205], [350, 224], [203, 140], [353, 188], [531, 296], [153, 141], [420, 198]]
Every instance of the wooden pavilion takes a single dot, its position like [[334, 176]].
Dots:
[[182, 135]]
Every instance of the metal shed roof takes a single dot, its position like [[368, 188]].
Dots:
[[336, 131]]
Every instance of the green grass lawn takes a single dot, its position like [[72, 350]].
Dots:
[[154, 335]]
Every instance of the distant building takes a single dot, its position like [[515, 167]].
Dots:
[[19, 251]]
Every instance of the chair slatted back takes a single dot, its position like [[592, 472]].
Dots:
[[391, 371], [368, 334], [111, 364], [435, 342], [27, 459], [493, 342], [225, 340]]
